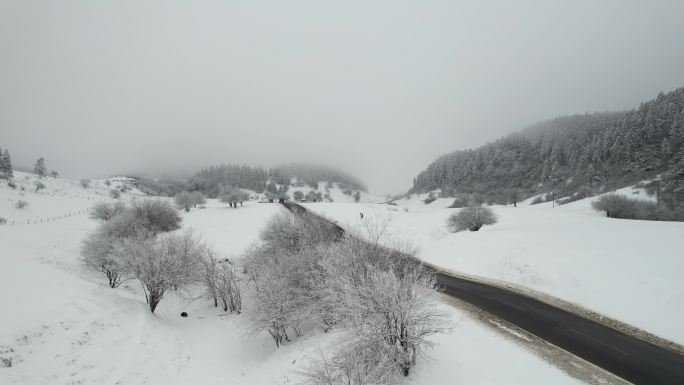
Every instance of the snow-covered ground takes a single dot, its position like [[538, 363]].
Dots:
[[626, 269], [62, 324]]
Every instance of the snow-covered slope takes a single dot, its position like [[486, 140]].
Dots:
[[627, 269], [62, 324]]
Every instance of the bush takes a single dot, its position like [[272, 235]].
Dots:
[[200, 199], [430, 198], [156, 215], [39, 185], [620, 206], [161, 265], [11, 184], [471, 218], [537, 200], [116, 194], [100, 252], [104, 211], [3, 221], [21, 204], [145, 218], [221, 282], [185, 200], [459, 202], [298, 196], [85, 183]]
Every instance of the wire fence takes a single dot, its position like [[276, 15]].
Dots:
[[39, 220]]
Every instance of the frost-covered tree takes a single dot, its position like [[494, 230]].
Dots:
[[105, 211], [85, 183], [54, 174], [103, 252], [40, 168], [357, 196], [298, 195], [515, 195], [471, 218], [199, 198], [163, 264], [233, 196], [185, 200], [6, 165]]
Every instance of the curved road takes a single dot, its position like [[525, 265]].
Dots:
[[628, 357]]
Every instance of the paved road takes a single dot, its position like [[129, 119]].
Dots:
[[628, 357]]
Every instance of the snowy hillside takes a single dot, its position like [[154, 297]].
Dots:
[[627, 269], [58, 198], [62, 323]]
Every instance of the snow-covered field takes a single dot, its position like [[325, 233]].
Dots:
[[627, 269], [62, 325]]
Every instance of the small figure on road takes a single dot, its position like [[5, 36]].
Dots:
[[361, 215]]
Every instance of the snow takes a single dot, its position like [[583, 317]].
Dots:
[[62, 324], [626, 269]]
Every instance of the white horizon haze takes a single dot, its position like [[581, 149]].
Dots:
[[378, 89]]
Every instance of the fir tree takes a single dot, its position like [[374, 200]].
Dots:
[[5, 165]]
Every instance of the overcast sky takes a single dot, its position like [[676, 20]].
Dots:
[[378, 88]]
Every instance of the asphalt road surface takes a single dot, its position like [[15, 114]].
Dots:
[[628, 357]]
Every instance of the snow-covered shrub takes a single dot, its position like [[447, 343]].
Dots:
[[298, 196], [163, 264], [21, 204], [233, 196], [471, 218], [104, 211], [144, 218], [459, 203], [185, 200], [430, 198], [3, 221], [356, 362], [114, 193], [156, 215], [11, 184], [200, 199], [537, 200], [620, 206], [102, 252], [39, 185], [220, 282], [383, 296], [85, 183]]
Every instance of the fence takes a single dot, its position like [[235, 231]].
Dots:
[[48, 219]]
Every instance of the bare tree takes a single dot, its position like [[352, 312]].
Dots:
[[515, 195], [471, 218], [185, 200], [101, 252], [161, 265]]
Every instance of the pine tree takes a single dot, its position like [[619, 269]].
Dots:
[[6, 165], [40, 169]]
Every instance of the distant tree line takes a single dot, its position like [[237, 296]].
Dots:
[[274, 182], [583, 153]]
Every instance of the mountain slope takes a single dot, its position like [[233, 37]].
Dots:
[[582, 153]]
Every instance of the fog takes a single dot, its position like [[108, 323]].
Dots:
[[377, 88]]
